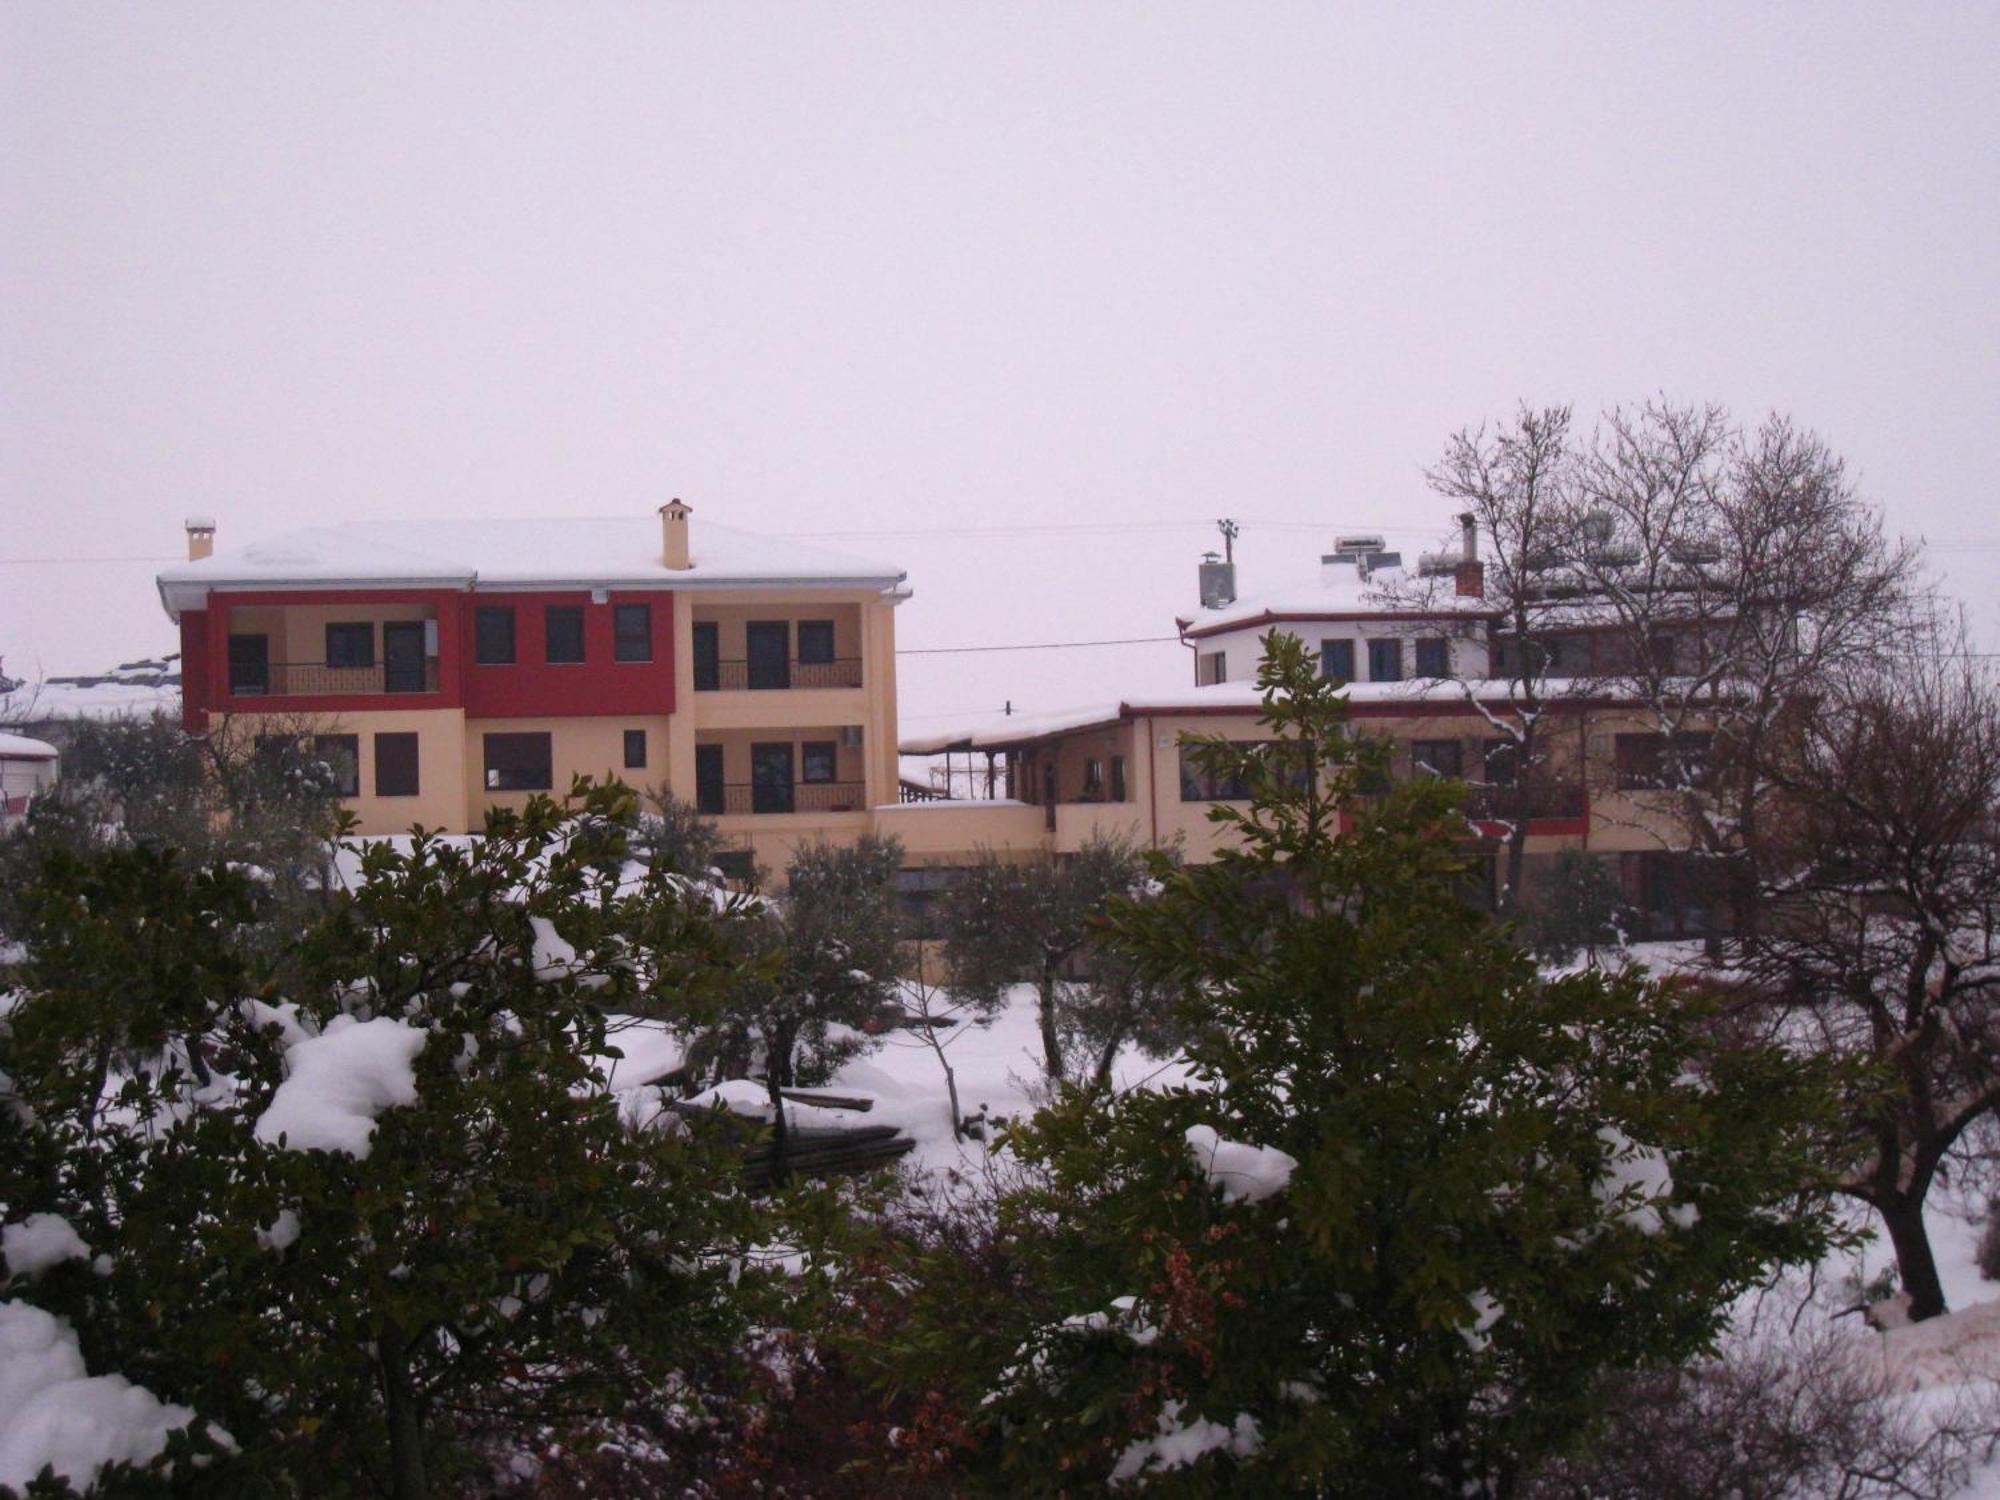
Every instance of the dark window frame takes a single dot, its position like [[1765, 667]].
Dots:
[[1433, 656], [1332, 649], [635, 739], [518, 769], [568, 616], [390, 765], [348, 632], [486, 622], [351, 743], [1425, 755], [813, 640], [632, 645], [1385, 651], [827, 752]]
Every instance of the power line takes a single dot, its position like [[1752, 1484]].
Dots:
[[1035, 647]]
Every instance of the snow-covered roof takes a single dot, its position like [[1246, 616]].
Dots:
[[1342, 589], [995, 731], [611, 552], [20, 747], [57, 700]]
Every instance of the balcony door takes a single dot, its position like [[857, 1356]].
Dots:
[[769, 644], [707, 658], [403, 656], [249, 664], [710, 794], [770, 777]]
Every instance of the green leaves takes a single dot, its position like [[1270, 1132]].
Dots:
[[1506, 1185]]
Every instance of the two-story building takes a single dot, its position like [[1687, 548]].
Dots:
[[1420, 648], [445, 667]]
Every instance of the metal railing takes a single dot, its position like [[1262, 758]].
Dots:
[[797, 797], [736, 676], [1556, 799], [304, 679]]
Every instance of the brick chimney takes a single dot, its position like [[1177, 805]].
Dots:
[[1470, 573], [674, 535], [201, 537]]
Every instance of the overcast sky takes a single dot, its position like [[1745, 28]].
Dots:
[[1020, 296]]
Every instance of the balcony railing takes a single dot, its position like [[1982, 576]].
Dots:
[[302, 679], [1508, 804], [740, 676], [778, 797]]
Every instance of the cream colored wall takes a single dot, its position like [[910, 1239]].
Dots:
[[773, 838], [592, 746], [953, 833], [441, 788]]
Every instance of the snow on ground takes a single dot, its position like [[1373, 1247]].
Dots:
[[53, 1411]]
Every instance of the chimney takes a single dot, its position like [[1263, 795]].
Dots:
[[1470, 573], [674, 535], [201, 537]]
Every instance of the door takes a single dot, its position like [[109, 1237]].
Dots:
[[707, 661], [709, 795], [770, 653], [249, 664], [771, 778], [403, 656]]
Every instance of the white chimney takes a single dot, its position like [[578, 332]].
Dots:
[[674, 535], [201, 537], [1468, 530]]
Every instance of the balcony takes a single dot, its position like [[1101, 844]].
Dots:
[[765, 675], [781, 797], [1554, 801], [306, 679]]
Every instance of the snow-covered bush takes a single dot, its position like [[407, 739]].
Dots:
[[353, 1205]]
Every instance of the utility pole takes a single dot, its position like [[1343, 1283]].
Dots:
[[1228, 528]]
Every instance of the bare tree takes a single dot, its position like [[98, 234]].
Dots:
[[1517, 486], [1709, 578], [1879, 892]]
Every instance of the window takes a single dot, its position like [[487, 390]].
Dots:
[[710, 793], [1642, 760], [396, 762], [249, 664], [518, 763], [1336, 661], [1434, 658], [1117, 778], [819, 761], [1093, 780], [340, 754], [1202, 782], [494, 627], [735, 864], [1439, 757], [1211, 667], [816, 641], [1385, 661], [1502, 762], [564, 626], [635, 749], [707, 658], [632, 634], [350, 646]]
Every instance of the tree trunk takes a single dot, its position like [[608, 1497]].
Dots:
[[1916, 1267], [406, 1432], [1045, 995], [777, 1078]]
